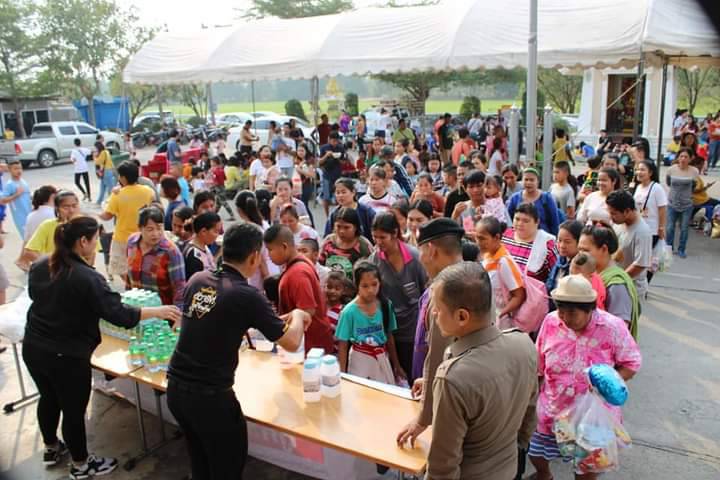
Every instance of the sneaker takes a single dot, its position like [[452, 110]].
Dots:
[[682, 254], [93, 467], [53, 456]]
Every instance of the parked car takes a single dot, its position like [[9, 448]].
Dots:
[[261, 127], [144, 120], [53, 141], [237, 118]]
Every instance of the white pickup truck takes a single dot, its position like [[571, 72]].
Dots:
[[53, 141]]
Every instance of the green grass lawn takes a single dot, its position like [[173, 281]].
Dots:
[[431, 106]]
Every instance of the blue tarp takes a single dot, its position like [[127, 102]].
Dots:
[[110, 112]]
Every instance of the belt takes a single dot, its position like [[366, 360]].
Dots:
[[369, 349], [195, 389]]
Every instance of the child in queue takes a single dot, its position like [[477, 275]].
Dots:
[[424, 191], [345, 245], [377, 197], [366, 347], [584, 264], [334, 295], [434, 168], [310, 249]]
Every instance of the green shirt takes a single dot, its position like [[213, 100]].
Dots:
[[356, 327], [406, 134]]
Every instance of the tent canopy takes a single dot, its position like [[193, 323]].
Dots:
[[452, 35]]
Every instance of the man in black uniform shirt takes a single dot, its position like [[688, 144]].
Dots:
[[219, 308]]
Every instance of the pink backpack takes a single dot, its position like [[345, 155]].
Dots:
[[533, 310]]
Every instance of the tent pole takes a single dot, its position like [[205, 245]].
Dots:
[[638, 97], [662, 112], [211, 102], [252, 93], [531, 86]]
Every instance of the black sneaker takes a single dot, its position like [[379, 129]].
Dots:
[[94, 467], [53, 456]]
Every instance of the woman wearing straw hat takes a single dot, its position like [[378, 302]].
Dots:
[[571, 339]]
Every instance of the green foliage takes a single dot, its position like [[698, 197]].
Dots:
[[294, 108], [697, 83], [296, 8], [196, 121], [195, 97], [351, 103], [563, 91], [83, 41], [540, 105], [470, 106]]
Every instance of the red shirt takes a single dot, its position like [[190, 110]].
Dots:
[[218, 174], [300, 288], [324, 130]]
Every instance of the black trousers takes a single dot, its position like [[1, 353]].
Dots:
[[215, 431], [405, 351], [64, 386], [85, 191]]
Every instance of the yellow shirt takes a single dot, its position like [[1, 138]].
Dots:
[[43, 240], [673, 147], [559, 150], [125, 206], [103, 160]]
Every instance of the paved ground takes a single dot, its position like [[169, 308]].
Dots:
[[673, 411]]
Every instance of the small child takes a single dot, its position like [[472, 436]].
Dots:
[[563, 188], [493, 200], [584, 264], [334, 288], [198, 180], [378, 198], [310, 249], [217, 172], [434, 169], [411, 169], [364, 330]]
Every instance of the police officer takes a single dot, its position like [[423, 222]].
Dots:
[[484, 392], [219, 308]]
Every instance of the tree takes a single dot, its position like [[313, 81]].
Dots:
[[418, 85], [563, 91], [694, 83], [294, 108], [469, 107], [83, 41], [195, 97], [296, 8], [351, 104], [19, 46]]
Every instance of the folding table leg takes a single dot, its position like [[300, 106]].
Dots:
[[24, 399]]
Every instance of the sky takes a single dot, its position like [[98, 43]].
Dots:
[[190, 14]]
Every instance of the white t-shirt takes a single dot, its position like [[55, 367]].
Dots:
[[257, 170], [381, 204], [36, 217], [494, 160], [594, 204], [564, 195], [648, 201], [284, 160], [78, 156]]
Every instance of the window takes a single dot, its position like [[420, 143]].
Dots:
[[86, 130], [42, 116], [42, 131], [69, 130]]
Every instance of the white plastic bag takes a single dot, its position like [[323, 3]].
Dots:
[[14, 318], [661, 257]]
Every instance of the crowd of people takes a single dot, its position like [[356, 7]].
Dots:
[[428, 246]]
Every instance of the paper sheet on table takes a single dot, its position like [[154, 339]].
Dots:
[[383, 387]]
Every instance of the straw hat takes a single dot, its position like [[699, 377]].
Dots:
[[574, 289]]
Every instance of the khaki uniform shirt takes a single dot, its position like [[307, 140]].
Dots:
[[483, 406], [436, 348]]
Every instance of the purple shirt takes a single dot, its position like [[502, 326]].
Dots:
[[421, 346]]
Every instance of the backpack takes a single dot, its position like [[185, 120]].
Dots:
[[533, 310]]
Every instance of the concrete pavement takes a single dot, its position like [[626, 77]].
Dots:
[[673, 413]]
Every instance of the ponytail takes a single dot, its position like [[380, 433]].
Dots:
[[66, 235], [246, 202]]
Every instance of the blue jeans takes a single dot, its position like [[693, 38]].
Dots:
[[107, 182], [714, 153], [709, 206], [674, 216]]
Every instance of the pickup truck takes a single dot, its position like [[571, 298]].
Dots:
[[53, 141]]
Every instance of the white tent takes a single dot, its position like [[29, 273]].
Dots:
[[455, 34]]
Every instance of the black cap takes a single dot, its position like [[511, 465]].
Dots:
[[439, 227]]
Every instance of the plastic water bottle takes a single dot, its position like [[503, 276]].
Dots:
[[311, 381], [330, 372], [135, 352], [298, 356]]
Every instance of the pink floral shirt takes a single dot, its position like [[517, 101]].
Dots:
[[563, 356]]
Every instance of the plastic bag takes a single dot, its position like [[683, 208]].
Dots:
[[608, 383], [588, 433], [14, 318], [662, 256]]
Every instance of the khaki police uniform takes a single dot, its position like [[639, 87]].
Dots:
[[484, 397]]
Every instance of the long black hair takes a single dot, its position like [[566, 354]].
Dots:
[[66, 234], [386, 222], [246, 203], [361, 268]]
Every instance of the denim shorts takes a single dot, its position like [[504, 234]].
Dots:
[[328, 190]]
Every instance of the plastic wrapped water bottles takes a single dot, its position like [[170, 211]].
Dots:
[[135, 298]]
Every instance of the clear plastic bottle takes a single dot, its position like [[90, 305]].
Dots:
[[330, 371], [311, 381], [135, 352]]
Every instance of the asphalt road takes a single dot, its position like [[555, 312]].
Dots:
[[673, 413]]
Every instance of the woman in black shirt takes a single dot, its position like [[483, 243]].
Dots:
[[69, 298]]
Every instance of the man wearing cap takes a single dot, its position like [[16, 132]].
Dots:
[[439, 244], [484, 392], [571, 339]]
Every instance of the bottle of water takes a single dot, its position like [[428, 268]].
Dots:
[[330, 371], [298, 356], [135, 352], [311, 381]]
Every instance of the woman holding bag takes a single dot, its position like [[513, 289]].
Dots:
[[651, 201]]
